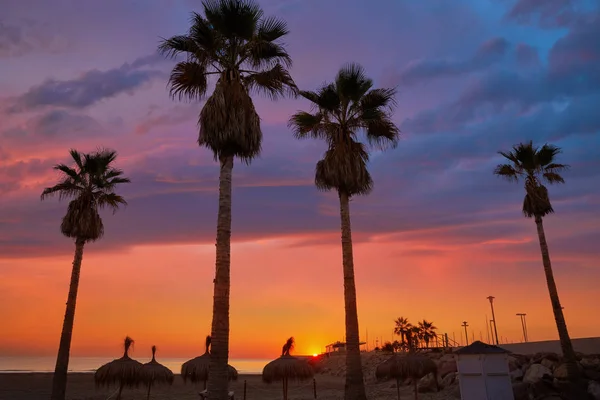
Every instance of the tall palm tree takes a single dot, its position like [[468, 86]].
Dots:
[[427, 331], [401, 328], [233, 40], [91, 185], [535, 165], [341, 110]]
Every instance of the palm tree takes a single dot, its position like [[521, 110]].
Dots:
[[427, 331], [234, 41], [414, 338], [401, 329], [341, 110], [91, 185], [535, 165]]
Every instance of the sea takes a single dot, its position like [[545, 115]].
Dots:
[[90, 364]]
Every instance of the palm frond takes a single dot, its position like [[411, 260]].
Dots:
[[188, 81], [304, 124], [176, 45], [234, 19], [382, 133], [352, 83], [65, 189], [275, 82], [271, 29], [553, 177], [547, 154], [110, 200], [507, 172]]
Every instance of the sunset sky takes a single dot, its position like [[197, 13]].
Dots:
[[437, 236]]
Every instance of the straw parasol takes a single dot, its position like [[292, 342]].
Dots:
[[287, 367], [124, 371], [155, 373], [196, 369], [411, 366]]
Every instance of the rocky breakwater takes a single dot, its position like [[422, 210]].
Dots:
[[537, 376]]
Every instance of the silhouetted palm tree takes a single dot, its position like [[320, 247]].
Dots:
[[91, 185], [401, 329], [342, 109], [427, 331], [535, 165], [234, 41]]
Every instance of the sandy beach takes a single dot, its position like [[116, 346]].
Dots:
[[36, 386]]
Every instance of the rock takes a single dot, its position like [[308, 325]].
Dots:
[[594, 390], [455, 393], [448, 380], [427, 384], [516, 375], [538, 357], [561, 372], [550, 364], [593, 374], [521, 391], [590, 362], [513, 364], [535, 373], [447, 358], [447, 368], [543, 387]]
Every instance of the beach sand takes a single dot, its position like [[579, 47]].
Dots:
[[36, 386]]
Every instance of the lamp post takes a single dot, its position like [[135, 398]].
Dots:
[[464, 325], [491, 299], [524, 326]]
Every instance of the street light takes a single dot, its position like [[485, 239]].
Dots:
[[524, 325], [491, 299], [464, 324]]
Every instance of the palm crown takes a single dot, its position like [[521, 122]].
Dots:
[[234, 40], [534, 165], [91, 184], [341, 110]]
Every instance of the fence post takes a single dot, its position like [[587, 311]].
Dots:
[[315, 387], [244, 389]]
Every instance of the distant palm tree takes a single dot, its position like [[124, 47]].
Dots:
[[401, 329], [414, 338], [341, 110], [535, 165], [234, 41], [427, 331], [91, 185]]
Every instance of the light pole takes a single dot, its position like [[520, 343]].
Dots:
[[464, 324], [524, 326], [491, 299]]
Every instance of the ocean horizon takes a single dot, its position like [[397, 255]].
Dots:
[[32, 364]]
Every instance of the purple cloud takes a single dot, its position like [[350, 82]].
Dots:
[[88, 89], [488, 53]]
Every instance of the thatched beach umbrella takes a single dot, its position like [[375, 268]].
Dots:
[[196, 369], [153, 373], [287, 367], [411, 366], [124, 371]]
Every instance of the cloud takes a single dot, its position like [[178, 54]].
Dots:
[[24, 36], [88, 89], [545, 13], [52, 125], [488, 53], [155, 118], [527, 56]]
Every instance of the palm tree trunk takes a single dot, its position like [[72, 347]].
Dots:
[[563, 333], [217, 376], [355, 385], [59, 380]]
